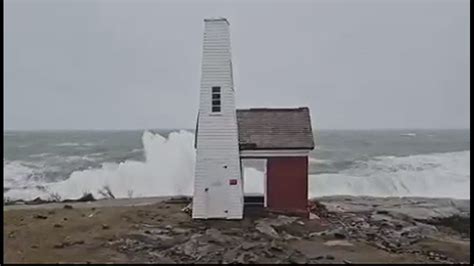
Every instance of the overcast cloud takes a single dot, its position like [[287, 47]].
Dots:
[[136, 64]]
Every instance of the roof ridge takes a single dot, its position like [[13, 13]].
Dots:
[[275, 109], [217, 19]]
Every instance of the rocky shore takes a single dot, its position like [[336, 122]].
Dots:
[[341, 230]]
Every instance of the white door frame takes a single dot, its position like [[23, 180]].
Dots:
[[265, 184], [263, 162]]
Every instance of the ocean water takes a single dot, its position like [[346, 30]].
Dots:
[[428, 163]]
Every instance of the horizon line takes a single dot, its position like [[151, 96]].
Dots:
[[192, 129]]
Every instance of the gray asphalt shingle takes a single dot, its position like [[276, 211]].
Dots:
[[275, 128]]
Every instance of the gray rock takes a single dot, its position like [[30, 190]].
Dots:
[[255, 236], [338, 233], [268, 254], [278, 221], [190, 248], [230, 255], [194, 247], [283, 220], [215, 236], [287, 236], [297, 259], [165, 242], [246, 257], [380, 217], [188, 209], [247, 245], [315, 234], [275, 246], [39, 216], [358, 219], [60, 245], [267, 229], [78, 242]]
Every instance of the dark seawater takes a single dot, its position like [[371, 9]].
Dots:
[[35, 158], [342, 148]]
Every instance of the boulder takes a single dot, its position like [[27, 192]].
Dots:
[[267, 229], [213, 235], [85, 198], [287, 236], [230, 255], [188, 209], [329, 257], [179, 200], [313, 216], [249, 245], [276, 246], [39, 216]]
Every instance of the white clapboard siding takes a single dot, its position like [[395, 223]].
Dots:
[[217, 154]]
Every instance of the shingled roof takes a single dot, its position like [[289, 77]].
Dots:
[[270, 128]]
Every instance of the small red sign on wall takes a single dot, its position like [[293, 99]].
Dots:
[[233, 182]]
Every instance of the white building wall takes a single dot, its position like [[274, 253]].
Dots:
[[217, 155]]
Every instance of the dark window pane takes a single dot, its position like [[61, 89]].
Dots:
[[216, 102], [216, 96], [216, 89], [216, 109]]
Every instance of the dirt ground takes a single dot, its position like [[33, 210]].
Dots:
[[113, 234]]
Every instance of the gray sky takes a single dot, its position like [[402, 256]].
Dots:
[[136, 64]]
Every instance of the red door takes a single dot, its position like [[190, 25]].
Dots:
[[287, 184]]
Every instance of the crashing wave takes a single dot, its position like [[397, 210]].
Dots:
[[169, 166]]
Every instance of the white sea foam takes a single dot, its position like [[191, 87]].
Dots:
[[72, 158], [17, 174], [313, 160], [425, 175], [96, 155], [89, 144], [67, 144], [40, 155], [168, 170], [75, 144], [169, 165], [75, 158]]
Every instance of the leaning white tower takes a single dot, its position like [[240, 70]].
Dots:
[[218, 188]]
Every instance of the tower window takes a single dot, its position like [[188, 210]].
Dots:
[[216, 99]]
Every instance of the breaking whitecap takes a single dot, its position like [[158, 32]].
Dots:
[[168, 169]]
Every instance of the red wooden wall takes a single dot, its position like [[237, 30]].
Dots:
[[287, 184]]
